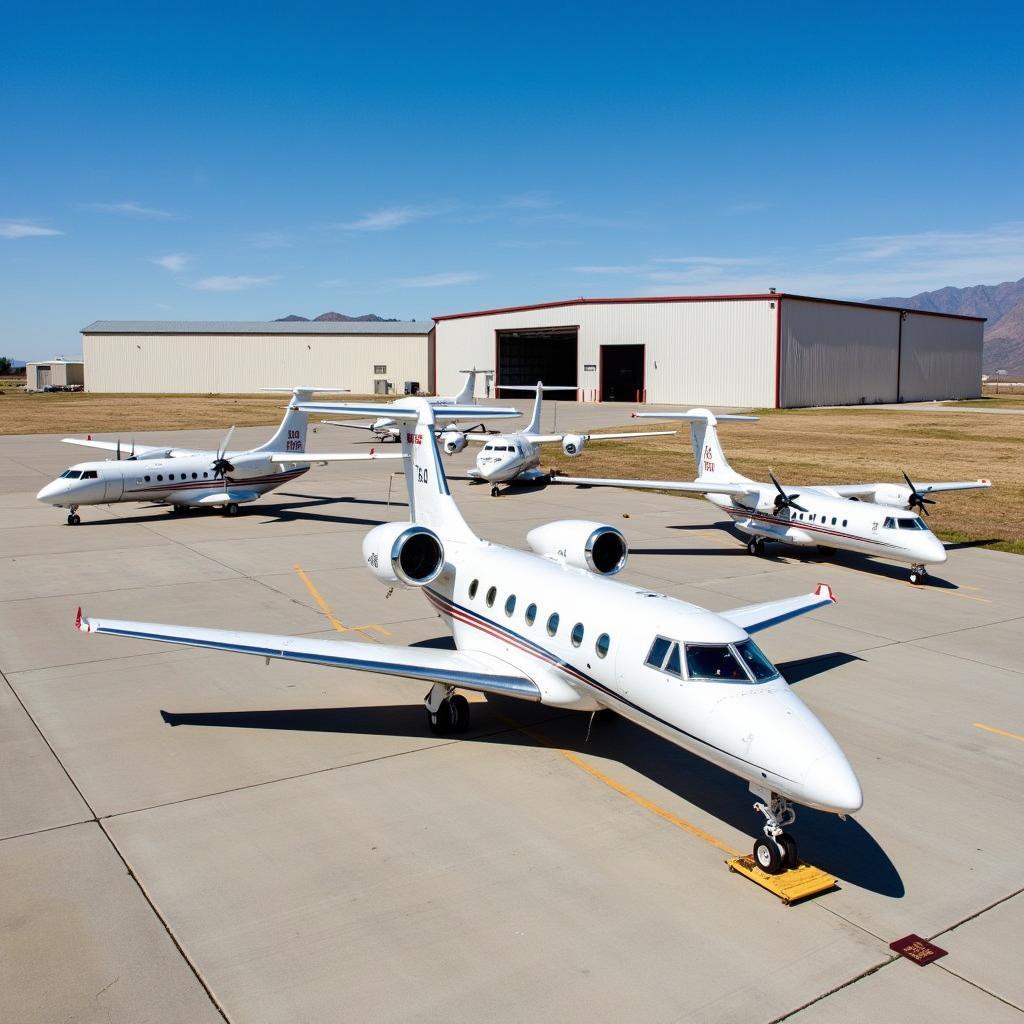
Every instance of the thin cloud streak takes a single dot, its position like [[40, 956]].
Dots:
[[234, 283], [131, 208], [175, 262], [21, 229], [390, 217]]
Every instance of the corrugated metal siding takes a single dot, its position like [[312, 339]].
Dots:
[[941, 358], [191, 363], [714, 353], [837, 355]]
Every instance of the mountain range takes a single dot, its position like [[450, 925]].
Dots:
[[1002, 304], [340, 318]]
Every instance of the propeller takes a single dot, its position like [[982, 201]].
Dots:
[[782, 499], [916, 499], [221, 465]]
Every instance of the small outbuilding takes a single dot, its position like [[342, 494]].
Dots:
[[54, 373]]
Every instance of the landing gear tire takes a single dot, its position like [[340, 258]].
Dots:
[[918, 575], [789, 855], [73, 519], [768, 856], [451, 716], [231, 508], [755, 546], [494, 491]]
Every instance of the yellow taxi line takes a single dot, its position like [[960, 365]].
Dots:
[[998, 732], [329, 615]]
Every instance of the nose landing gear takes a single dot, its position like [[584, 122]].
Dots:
[[776, 852], [918, 575], [495, 491], [73, 517]]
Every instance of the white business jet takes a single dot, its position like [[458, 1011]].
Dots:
[[184, 477], [386, 428], [873, 519], [552, 626], [505, 458]]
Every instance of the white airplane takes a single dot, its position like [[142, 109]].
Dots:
[[873, 519], [387, 429], [184, 477], [516, 456], [552, 626]]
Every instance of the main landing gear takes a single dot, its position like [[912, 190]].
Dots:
[[776, 852], [73, 517], [495, 490], [918, 575], [447, 711], [231, 508], [755, 546]]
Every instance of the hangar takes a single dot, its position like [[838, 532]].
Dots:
[[764, 351], [224, 357]]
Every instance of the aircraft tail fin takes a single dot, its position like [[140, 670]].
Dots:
[[465, 396], [291, 434], [709, 459], [533, 427]]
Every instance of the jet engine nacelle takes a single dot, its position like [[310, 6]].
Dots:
[[403, 553], [573, 445], [453, 441], [893, 495], [595, 547]]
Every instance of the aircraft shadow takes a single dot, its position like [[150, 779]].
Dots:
[[845, 849], [799, 669]]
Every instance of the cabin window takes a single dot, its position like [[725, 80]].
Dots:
[[833, 520], [602, 644], [510, 605], [195, 476], [147, 479], [473, 587], [577, 634], [552, 623], [754, 658], [204, 476], [713, 661], [531, 614], [159, 476], [491, 595], [844, 523], [656, 655]]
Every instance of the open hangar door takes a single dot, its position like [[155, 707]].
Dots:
[[548, 354], [622, 373]]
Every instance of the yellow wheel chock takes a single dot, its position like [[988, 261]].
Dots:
[[799, 883]]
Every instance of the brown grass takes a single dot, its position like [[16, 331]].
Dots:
[[854, 446]]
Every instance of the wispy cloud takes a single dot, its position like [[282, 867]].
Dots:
[[131, 208], [22, 229], [175, 262], [234, 283], [438, 280], [390, 217]]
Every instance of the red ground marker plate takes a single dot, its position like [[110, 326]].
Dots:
[[919, 950]]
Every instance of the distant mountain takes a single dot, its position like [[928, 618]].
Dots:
[[340, 318], [1002, 304]]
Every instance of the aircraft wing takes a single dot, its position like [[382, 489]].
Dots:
[[868, 490], [471, 671], [755, 617], [112, 446], [322, 458], [351, 426], [660, 485], [558, 438]]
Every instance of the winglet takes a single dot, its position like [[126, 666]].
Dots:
[[82, 623], [824, 590]]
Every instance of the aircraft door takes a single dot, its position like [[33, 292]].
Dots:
[[113, 485]]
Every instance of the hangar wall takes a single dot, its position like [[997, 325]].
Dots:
[[940, 357], [226, 363], [697, 351], [835, 354]]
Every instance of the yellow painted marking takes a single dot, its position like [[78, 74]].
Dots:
[[998, 732], [329, 615], [642, 801]]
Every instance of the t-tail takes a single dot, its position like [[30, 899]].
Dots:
[[291, 434], [533, 427], [709, 459], [465, 396]]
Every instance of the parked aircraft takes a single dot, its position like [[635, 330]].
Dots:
[[184, 477], [516, 456], [874, 519], [385, 428], [552, 626]]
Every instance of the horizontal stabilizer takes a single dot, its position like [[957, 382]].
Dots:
[[411, 413], [311, 390], [737, 489], [322, 458], [755, 617], [696, 415]]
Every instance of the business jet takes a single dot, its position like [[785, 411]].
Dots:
[[185, 478], [873, 519], [554, 627], [505, 458], [386, 428]]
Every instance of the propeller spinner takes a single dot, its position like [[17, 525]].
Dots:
[[916, 499], [782, 499]]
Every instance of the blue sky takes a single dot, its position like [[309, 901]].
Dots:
[[245, 161]]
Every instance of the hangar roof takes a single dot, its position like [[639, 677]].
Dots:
[[388, 327], [695, 298]]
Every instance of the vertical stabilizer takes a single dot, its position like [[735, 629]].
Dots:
[[430, 500], [533, 427], [708, 456], [465, 396], [291, 434]]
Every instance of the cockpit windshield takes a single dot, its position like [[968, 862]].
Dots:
[[71, 474], [904, 523], [713, 661], [759, 665], [742, 662]]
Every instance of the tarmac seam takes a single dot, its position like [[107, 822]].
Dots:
[[832, 991], [980, 988]]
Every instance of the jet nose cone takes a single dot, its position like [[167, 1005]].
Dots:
[[50, 491], [936, 553], [831, 784]]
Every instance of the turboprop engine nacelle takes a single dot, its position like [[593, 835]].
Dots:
[[403, 553], [893, 495], [453, 441], [592, 546], [252, 464], [573, 445]]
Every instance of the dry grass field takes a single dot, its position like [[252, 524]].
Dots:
[[854, 446]]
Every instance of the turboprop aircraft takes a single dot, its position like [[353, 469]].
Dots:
[[387, 429], [552, 626], [184, 477], [516, 456], [874, 519]]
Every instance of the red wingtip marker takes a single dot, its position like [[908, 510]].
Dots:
[[824, 590], [78, 618]]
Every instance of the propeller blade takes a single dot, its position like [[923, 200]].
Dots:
[[778, 486], [227, 441], [793, 504], [118, 449]]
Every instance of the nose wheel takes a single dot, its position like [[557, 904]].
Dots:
[[918, 575], [776, 851], [495, 491], [73, 517]]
